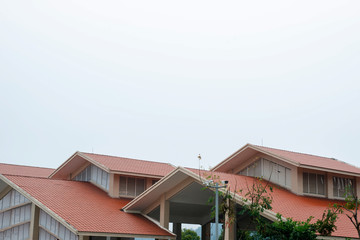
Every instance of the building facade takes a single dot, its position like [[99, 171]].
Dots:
[[98, 197]]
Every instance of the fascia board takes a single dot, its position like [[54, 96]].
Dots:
[[267, 213], [158, 224], [92, 161], [289, 161], [104, 234], [135, 174], [157, 185], [229, 158], [99, 165], [63, 164], [39, 204], [297, 164], [329, 170]]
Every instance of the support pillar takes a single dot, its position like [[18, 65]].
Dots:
[[114, 182], [229, 233], [329, 186], [164, 212], [205, 231], [229, 226], [177, 230], [34, 224]]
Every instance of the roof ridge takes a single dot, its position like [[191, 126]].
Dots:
[[106, 155], [46, 178], [27, 166], [329, 158], [17, 175], [309, 154]]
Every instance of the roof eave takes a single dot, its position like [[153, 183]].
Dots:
[[136, 174], [248, 145], [80, 154], [226, 160], [330, 170], [147, 191]]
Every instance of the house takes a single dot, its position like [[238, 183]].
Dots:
[[95, 197]]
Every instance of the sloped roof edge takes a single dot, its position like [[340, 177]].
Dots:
[[148, 191], [39, 204], [248, 145], [77, 153], [285, 159], [197, 178]]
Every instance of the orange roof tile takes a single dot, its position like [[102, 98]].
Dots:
[[20, 170], [312, 160], [288, 204], [86, 207], [121, 164]]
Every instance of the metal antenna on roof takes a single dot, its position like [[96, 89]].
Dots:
[[199, 157], [262, 142]]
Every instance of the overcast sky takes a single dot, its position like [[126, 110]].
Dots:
[[167, 80]]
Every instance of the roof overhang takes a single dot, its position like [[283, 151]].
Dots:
[[250, 150], [76, 161], [180, 174], [243, 154], [150, 195]]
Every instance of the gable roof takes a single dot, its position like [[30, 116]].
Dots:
[[112, 164], [300, 208], [288, 204], [85, 207], [13, 169], [298, 159]]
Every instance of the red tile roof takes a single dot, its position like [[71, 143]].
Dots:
[[288, 204], [128, 165], [86, 207], [312, 160], [12, 169]]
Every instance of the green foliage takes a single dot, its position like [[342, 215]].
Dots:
[[326, 225], [188, 234], [289, 229], [221, 236], [258, 199], [350, 208]]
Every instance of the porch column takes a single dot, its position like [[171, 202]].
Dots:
[[205, 231], [164, 212], [34, 224], [177, 230], [229, 231], [229, 226]]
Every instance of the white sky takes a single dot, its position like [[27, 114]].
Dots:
[[167, 80]]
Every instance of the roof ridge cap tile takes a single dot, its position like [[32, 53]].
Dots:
[[18, 165], [106, 155], [17, 175], [46, 178]]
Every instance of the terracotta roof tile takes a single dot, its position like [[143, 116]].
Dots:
[[312, 160], [289, 204], [12, 169], [86, 207], [129, 165]]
